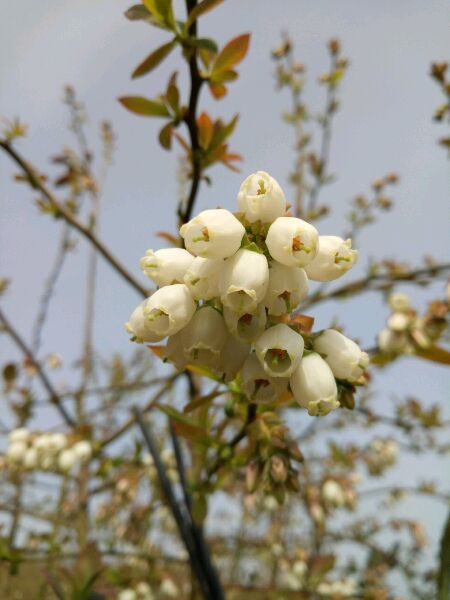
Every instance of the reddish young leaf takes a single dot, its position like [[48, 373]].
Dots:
[[218, 90], [157, 350], [205, 128], [231, 54], [201, 9]]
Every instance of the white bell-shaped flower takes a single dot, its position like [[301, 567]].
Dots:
[[127, 594], [31, 458], [169, 309], [174, 351], [261, 198], [288, 286], [166, 266], [16, 452], [204, 337], [67, 460], [343, 355], [292, 242], [279, 350], [244, 280], [214, 233], [202, 278], [21, 434], [334, 258], [314, 386], [83, 450], [247, 327], [140, 327], [56, 442], [232, 357], [258, 385]]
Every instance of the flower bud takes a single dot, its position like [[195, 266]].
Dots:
[[332, 493], [392, 341], [334, 258], [399, 302], [343, 355], [314, 386], [21, 434], [67, 460], [261, 198], [288, 286], [257, 385], [166, 266], [214, 233], [244, 280], [232, 357], [204, 337], [169, 309], [140, 327], [398, 322], [292, 242], [279, 350], [278, 468], [247, 327], [202, 278], [16, 452], [82, 450]]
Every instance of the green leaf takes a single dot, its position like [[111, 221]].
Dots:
[[185, 426], [137, 12], [201, 9], [165, 136], [162, 11], [204, 43], [153, 59], [222, 132], [173, 98], [144, 107], [230, 55]]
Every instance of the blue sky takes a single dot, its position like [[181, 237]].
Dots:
[[385, 125]]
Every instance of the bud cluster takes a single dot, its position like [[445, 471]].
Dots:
[[381, 455], [406, 332], [225, 301], [45, 451]]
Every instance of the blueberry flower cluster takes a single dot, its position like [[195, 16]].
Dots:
[[45, 451], [226, 301]]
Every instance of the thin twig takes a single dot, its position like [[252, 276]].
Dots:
[[185, 212], [54, 396], [70, 218], [132, 420], [375, 282], [49, 289]]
